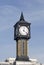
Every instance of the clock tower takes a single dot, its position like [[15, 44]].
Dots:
[[22, 35]]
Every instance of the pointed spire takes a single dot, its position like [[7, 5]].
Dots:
[[21, 17]]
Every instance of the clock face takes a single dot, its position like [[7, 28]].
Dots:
[[23, 30]]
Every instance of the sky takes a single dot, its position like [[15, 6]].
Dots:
[[10, 11]]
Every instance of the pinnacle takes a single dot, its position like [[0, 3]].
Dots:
[[21, 17]]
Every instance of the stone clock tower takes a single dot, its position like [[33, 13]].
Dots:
[[22, 35]]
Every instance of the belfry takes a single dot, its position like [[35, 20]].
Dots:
[[22, 35]]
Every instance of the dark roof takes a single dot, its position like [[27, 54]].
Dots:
[[22, 20], [21, 17]]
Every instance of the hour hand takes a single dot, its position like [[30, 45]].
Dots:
[[25, 31]]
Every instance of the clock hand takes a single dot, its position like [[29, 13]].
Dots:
[[25, 31]]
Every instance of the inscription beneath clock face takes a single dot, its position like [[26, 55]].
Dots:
[[23, 30]]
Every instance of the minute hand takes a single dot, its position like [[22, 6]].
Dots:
[[25, 31]]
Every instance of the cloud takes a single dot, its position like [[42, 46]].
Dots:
[[35, 17], [40, 1], [37, 52], [33, 11], [7, 50], [8, 16]]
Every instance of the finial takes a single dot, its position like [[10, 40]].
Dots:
[[21, 17]]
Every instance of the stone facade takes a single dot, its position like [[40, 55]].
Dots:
[[21, 48]]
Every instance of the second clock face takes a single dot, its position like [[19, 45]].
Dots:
[[23, 30]]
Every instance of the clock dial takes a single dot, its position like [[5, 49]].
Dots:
[[23, 30]]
